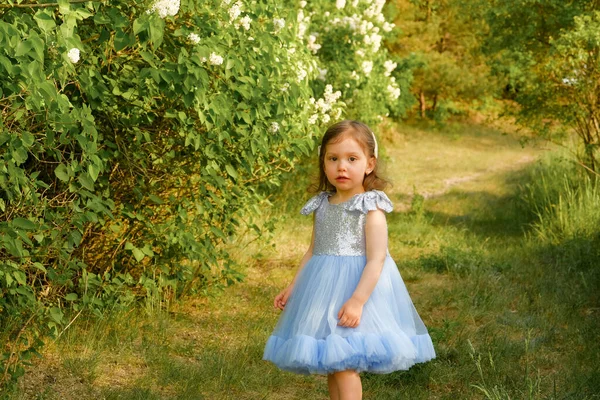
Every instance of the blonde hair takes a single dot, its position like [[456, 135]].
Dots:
[[365, 138]]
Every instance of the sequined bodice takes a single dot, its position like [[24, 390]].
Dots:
[[340, 228]]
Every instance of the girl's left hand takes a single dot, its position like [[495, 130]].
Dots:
[[350, 313]]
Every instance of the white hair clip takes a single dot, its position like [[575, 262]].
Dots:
[[375, 150]]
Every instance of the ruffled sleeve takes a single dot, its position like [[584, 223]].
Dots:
[[369, 201], [314, 203]]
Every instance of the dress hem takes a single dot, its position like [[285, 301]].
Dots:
[[375, 353]]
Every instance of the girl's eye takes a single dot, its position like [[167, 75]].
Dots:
[[352, 158], [333, 158]]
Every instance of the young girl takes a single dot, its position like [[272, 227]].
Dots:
[[347, 309]]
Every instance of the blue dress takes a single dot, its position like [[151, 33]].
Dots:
[[307, 339]]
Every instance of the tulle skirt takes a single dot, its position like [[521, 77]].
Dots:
[[307, 340]]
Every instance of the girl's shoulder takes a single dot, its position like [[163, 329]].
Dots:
[[315, 202], [362, 202], [370, 201]]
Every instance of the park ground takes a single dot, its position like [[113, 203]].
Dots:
[[465, 249]]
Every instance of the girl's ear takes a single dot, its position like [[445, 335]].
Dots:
[[371, 165]]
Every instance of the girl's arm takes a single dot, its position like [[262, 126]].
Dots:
[[376, 238], [281, 298]]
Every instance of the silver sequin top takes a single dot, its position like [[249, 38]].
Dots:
[[340, 228]]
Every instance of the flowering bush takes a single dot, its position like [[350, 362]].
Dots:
[[347, 38], [137, 137]]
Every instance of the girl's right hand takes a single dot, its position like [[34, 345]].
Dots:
[[282, 297]]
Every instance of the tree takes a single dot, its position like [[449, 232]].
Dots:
[[546, 51], [442, 41]]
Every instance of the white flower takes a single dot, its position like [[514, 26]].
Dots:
[[301, 29], [354, 76], [387, 27], [203, 60], [250, 38], [321, 104], [165, 8], [245, 21], [313, 119], [301, 75], [226, 2], [322, 74], [327, 13], [311, 100], [195, 39], [393, 91], [367, 66], [279, 24], [302, 4], [569, 81], [274, 127], [235, 11], [325, 118], [360, 53], [285, 87], [312, 46], [73, 55], [291, 50], [215, 59], [374, 40], [389, 66], [340, 4], [354, 3]]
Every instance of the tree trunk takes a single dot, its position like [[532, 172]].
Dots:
[[422, 105]]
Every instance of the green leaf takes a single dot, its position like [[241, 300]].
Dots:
[[23, 223], [23, 48], [61, 173], [155, 199], [27, 139], [71, 297], [93, 170], [20, 277], [86, 181], [148, 251], [40, 266], [19, 155], [56, 314], [138, 254], [231, 171]]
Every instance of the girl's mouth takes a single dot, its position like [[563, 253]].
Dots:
[[341, 178]]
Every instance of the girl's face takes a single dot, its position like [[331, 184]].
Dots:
[[346, 165]]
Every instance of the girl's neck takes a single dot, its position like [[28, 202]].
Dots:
[[345, 195]]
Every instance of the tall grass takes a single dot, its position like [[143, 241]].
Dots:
[[565, 200]]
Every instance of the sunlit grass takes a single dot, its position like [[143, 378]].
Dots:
[[513, 313]]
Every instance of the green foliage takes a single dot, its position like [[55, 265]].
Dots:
[[136, 139], [441, 40], [549, 57], [564, 203]]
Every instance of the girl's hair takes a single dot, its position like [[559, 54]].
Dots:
[[362, 134]]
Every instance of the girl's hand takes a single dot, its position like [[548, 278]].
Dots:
[[282, 297], [350, 313]]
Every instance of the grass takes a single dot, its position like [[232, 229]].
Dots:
[[513, 313]]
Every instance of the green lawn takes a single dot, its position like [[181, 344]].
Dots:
[[504, 325]]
